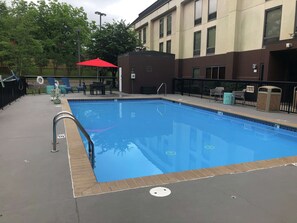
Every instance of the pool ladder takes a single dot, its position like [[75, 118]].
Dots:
[[165, 88], [66, 114]]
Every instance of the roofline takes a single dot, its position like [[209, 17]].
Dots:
[[158, 4]]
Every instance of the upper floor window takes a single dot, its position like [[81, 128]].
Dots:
[[169, 24], [161, 28], [144, 35], [272, 25], [197, 43], [198, 12], [161, 47], [168, 46], [211, 40], [212, 9], [139, 35]]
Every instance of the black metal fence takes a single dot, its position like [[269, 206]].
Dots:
[[11, 91], [201, 87]]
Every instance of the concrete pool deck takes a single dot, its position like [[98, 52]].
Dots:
[[36, 185]]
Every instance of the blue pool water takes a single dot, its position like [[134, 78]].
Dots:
[[135, 138]]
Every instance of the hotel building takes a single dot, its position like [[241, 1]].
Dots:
[[224, 39]]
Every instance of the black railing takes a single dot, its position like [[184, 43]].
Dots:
[[201, 87], [11, 91]]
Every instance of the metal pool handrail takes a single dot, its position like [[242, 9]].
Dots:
[[66, 114], [161, 87]]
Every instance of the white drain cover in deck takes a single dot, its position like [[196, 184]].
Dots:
[[160, 191]]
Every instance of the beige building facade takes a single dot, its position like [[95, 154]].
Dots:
[[224, 39]]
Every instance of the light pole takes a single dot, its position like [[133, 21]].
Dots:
[[78, 53], [100, 15]]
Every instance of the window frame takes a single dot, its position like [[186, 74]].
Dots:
[[271, 39], [193, 72], [212, 15], [197, 52], [211, 50], [139, 35], [144, 35], [216, 73], [168, 45], [197, 20], [161, 47], [169, 25], [161, 28]]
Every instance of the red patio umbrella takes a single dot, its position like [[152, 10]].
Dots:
[[96, 63]]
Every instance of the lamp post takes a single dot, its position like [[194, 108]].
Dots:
[[100, 15], [78, 54]]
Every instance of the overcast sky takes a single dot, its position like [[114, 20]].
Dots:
[[127, 10]]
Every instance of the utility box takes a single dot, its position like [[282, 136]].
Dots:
[[269, 98]]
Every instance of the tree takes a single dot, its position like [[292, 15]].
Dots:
[[60, 24], [35, 34], [4, 24], [111, 40], [18, 45]]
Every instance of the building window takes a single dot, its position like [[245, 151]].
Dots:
[[212, 9], [196, 73], [139, 36], [272, 25], [144, 35], [169, 25], [211, 40], [161, 47], [198, 12], [215, 72], [197, 43], [168, 46], [161, 28]]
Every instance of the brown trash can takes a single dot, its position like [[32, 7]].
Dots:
[[269, 98]]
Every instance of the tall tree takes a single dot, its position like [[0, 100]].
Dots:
[[24, 45], [4, 39], [19, 43], [60, 24], [111, 40]]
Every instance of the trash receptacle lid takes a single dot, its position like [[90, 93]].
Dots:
[[270, 89]]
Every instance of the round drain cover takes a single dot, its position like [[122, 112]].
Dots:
[[160, 191]]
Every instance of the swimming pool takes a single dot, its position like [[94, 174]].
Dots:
[[135, 138]]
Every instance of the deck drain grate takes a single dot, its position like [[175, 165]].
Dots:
[[61, 136], [160, 191]]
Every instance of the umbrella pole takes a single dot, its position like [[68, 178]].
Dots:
[[97, 74]]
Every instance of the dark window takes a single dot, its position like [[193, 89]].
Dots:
[[168, 46], [144, 35], [198, 12], [161, 47], [139, 35], [161, 28], [169, 25], [272, 25], [215, 72], [197, 43], [211, 40], [196, 73], [212, 9]]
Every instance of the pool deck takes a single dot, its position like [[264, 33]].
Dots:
[[36, 185]]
